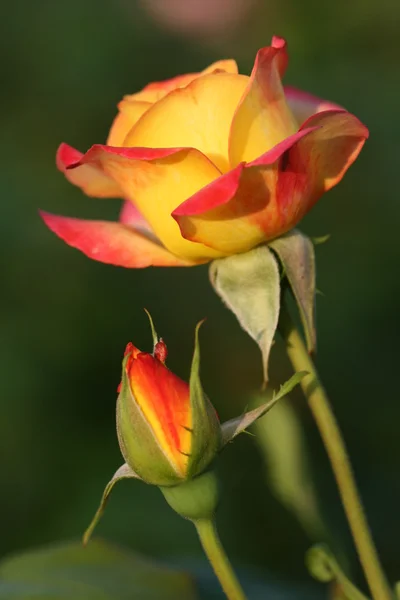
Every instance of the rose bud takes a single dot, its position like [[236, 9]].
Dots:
[[168, 430]]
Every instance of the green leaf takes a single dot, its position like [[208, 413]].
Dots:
[[206, 429], [249, 284], [296, 253], [124, 472], [99, 572], [232, 428], [397, 590], [324, 567]]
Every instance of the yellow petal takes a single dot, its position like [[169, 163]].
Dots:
[[157, 186], [158, 89], [263, 118], [235, 226], [197, 116], [164, 399], [129, 113]]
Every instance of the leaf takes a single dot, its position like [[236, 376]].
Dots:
[[99, 572], [249, 285], [232, 428], [397, 590], [124, 472], [324, 567], [296, 253]]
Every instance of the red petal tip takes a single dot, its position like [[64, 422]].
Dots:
[[67, 156], [129, 348], [278, 42]]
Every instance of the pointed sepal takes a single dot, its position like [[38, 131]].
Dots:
[[206, 428], [249, 284], [124, 472], [296, 253], [232, 428], [323, 566], [153, 329]]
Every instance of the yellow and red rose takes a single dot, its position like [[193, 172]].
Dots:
[[209, 164]]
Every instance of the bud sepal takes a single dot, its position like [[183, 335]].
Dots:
[[124, 472], [195, 499]]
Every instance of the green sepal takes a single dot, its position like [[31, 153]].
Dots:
[[206, 429], [124, 472], [249, 284], [232, 428], [323, 566], [296, 253], [153, 329], [139, 446], [196, 498]]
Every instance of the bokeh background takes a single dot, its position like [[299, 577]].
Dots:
[[65, 319]]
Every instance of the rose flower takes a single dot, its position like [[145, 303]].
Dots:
[[209, 164]]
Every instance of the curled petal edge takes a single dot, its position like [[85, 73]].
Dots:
[[222, 190], [91, 179]]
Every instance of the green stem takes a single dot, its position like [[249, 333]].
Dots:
[[219, 561], [336, 449]]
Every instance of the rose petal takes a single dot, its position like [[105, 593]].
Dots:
[[158, 89], [197, 116], [158, 180], [238, 211], [129, 113], [90, 179], [130, 215], [164, 400], [319, 161], [262, 118], [112, 243], [303, 105], [282, 57]]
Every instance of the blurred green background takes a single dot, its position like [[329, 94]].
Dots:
[[65, 319]]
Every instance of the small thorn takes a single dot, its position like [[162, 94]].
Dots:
[[187, 428]]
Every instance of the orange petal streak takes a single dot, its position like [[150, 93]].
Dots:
[[165, 402]]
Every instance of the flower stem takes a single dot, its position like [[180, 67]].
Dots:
[[219, 561], [337, 453]]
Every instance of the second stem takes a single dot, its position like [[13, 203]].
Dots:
[[337, 453]]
